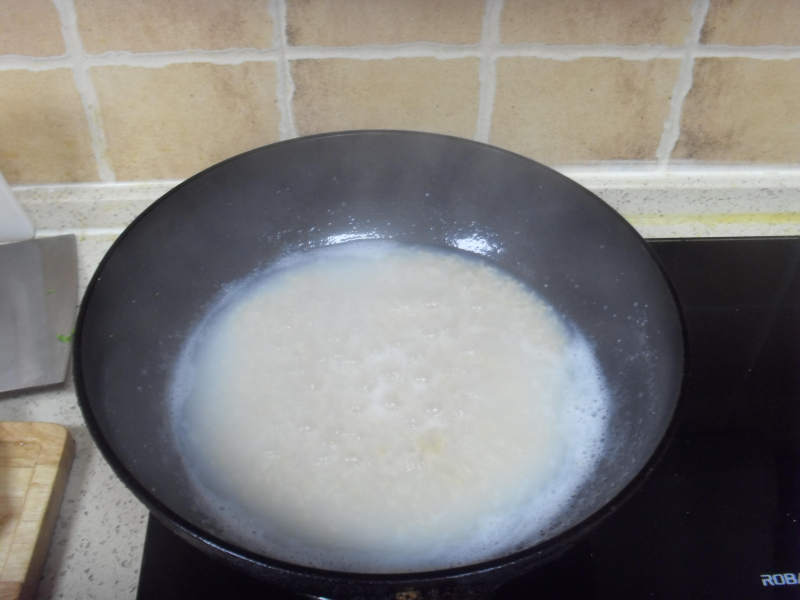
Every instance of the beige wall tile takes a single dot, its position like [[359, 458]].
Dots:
[[159, 25], [174, 121], [582, 110], [336, 23], [593, 22], [408, 93], [31, 28], [45, 136], [742, 109], [752, 22]]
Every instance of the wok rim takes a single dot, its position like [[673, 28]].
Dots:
[[237, 554]]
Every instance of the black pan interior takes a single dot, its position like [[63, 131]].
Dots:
[[167, 267]]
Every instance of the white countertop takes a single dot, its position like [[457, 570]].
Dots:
[[97, 544]]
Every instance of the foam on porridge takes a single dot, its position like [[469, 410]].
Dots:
[[380, 407]]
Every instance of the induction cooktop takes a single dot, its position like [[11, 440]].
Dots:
[[718, 517]]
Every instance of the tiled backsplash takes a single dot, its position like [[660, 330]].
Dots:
[[111, 90]]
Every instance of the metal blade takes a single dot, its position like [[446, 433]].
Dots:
[[38, 297]]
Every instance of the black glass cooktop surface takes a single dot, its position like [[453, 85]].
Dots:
[[718, 517]]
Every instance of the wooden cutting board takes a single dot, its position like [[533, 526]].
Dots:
[[34, 464]]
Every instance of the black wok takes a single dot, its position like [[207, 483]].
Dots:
[[167, 267]]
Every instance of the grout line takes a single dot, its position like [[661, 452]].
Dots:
[[229, 56], [385, 52], [285, 85], [487, 71], [33, 63], [574, 52], [232, 56], [88, 95], [672, 124], [755, 52]]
